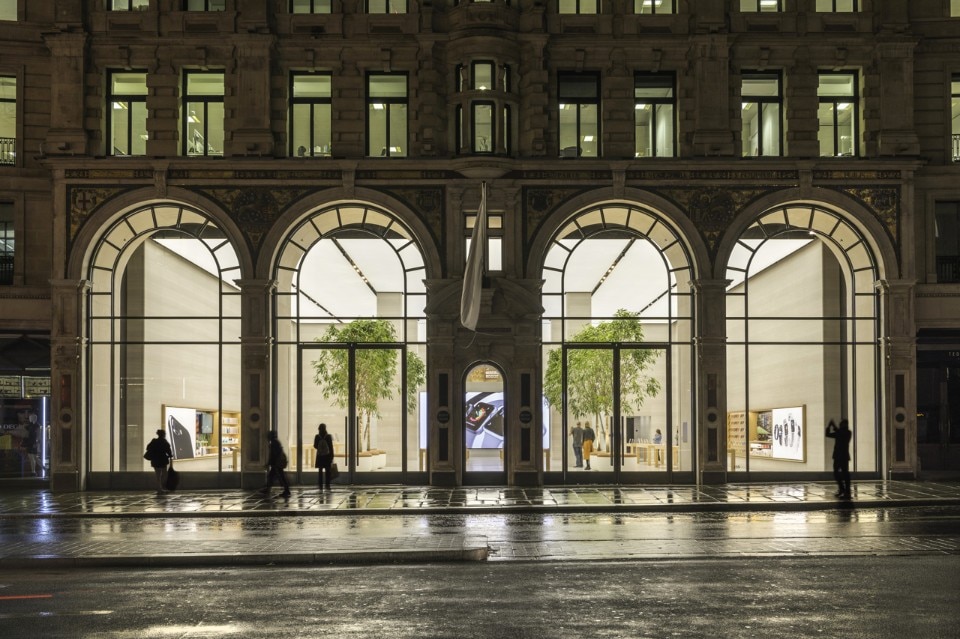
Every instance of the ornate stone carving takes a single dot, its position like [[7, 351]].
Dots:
[[256, 208], [84, 200]]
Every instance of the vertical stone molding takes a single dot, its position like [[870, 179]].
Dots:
[[66, 134], [255, 393], [711, 396], [900, 354], [897, 135], [251, 102], [68, 341], [710, 59]]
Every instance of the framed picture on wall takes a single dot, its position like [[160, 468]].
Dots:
[[180, 424]]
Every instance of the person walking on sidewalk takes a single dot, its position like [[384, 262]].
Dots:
[[323, 443], [276, 465], [841, 456], [159, 454], [588, 437], [576, 434]]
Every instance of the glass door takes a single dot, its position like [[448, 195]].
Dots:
[[484, 427]]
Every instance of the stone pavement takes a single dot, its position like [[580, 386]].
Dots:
[[89, 529]]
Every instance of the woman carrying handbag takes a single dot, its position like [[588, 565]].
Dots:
[[323, 443]]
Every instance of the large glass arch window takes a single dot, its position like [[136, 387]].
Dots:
[[617, 333], [350, 331], [803, 340], [164, 348]]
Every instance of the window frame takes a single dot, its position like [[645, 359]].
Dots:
[[13, 141], [206, 6], [312, 102], [580, 102], [313, 7], [759, 101], [672, 101], [578, 9], [493, 126], [836, 101], [654, 11], [8, 244], [129, 98], [143, 6], [388, 5], [16, 12], [206, 101], [759, 5], [856, 6], [954, 132], [388, 103]]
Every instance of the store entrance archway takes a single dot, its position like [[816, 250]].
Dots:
[[484, 426]]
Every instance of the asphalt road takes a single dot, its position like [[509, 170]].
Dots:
[[901, 597]]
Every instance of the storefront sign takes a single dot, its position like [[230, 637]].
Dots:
[[36, 386], [10, 386]]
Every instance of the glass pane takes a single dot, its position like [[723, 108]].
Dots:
[[589, 394], [664, 140], [214, 141], [845, 128], [119, 115], [653, 6], [388, 86], [648, 443], [483, 128], [377, 129], [398, 130], [643, 130], [770, 128], [826, 131], [417, 431], [750, 130], [128, 84], [483, 77], [836, 85], [484, 423], [300, 132], [589, 130], [205, 84], [311, 86], [138, 128], [569, 146]]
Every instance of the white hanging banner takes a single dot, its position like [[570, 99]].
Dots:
[[473, 274]]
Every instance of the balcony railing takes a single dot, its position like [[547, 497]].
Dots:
[[8, 150], [948, 268]]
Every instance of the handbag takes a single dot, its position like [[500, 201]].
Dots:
[[334, 471], [173, 478]]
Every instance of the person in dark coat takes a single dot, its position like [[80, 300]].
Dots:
[[276, 465], [323, 443], [841, 456], [159, 454]]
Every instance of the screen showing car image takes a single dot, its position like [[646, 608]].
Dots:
[[204, 423], [483, 424]]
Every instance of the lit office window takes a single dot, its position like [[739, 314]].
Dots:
[[755, 6], [761, 113], [837, 6], [127, 107], [129, 5], [7, 243], [483, 76], [579, 6], [483, 127], [310, 115], [206, 5], [8, 119], [955, 8], [838, 114], [387, 115], [654, 111], [947, 231], [203, 113], [654, 6], [955, 117], [386, 6], [579, 95], [310, 6], [8, 9]]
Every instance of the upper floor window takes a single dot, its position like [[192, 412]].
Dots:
[[955, 8], [654, 6], [654, 115], [387, 114], [6, 243], [203, 113], [127, 106], [753, 6], [129, 5], [947, 232], [493, 256], [837, 6], [761, 114], [579, 6], [311, 6], [8, 9], [206, 5], [955, 117], [386, 6], [838, 113], [579, 95], [8, 119], [310, 115]]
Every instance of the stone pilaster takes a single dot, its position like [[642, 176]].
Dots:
[[900, 353], [251, 99], [66, 134], [68, 341], [897, 135], [710, 343], [710, 59], [255, 393]]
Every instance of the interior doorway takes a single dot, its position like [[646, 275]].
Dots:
[[484, 426]]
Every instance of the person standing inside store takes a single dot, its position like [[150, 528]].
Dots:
[[31, 443], [841, 456], [323, 443], [576, 433], [276, 465], [657, 442], [588, 437], [159, 454]]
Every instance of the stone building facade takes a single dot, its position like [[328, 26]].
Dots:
[[492, 93]]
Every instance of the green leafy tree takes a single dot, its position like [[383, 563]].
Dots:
[[590, 372], [376, 371]]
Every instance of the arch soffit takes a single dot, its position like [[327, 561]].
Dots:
[[97, 224], [847, 209], [674, 217], [316, 202]]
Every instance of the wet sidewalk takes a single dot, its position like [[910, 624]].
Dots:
[[234, 527]]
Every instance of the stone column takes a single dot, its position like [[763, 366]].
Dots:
[[250, 102], [255, 391], [710, 56], [444, 384], [897, 135], [67, 465], [66, 134], [900, 368], [711, 382]]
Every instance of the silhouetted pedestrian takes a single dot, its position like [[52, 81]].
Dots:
[[588, 437], [323, 443], [159, 454], [276, 465], [576, 433], [841, 456]]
